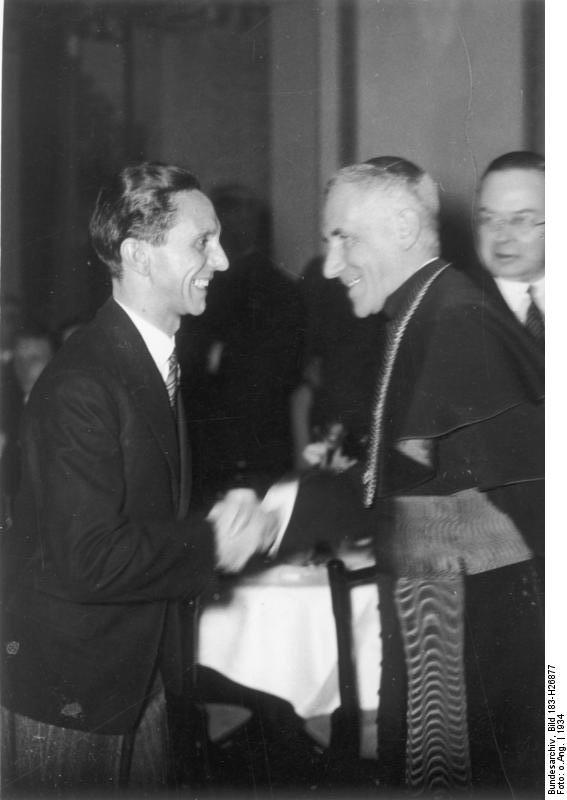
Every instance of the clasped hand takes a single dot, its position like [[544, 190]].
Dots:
[[242, 528]]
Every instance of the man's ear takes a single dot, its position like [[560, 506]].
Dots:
[[135, 255], [409, 227]]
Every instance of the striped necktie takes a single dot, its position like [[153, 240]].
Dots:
[[535, 322], [172, 382]]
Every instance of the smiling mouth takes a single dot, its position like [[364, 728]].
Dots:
[[353, 282], [201, 283]]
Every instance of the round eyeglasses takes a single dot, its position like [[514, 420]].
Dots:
[[520, 225]]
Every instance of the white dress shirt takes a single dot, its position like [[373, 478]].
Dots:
[[160, 345], [515, 293]]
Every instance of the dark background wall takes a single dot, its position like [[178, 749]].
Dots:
[[88, 86]]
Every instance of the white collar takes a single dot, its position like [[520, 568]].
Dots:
[[515, 293]]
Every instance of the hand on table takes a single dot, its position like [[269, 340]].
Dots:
[[242, 528]]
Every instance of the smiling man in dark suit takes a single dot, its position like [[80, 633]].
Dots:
[[510, 236], [106, 550]]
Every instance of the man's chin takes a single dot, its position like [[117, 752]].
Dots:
[[196, 307], [357, 305], [361, 309]]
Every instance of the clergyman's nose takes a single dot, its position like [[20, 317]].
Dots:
[[333, 264]]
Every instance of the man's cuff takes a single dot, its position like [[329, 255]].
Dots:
[[280, 499]]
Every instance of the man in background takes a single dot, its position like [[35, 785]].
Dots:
[[451, 490], [107, 554], [32, 350], [510, 235]]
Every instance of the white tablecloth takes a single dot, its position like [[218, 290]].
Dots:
[[276, 634]]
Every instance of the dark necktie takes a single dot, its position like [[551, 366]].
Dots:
[[535, 322], [172, 382]]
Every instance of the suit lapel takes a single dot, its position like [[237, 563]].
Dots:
[[141, 378], [530, 350], [493, 295]]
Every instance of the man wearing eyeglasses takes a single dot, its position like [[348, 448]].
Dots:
[[510, 235]]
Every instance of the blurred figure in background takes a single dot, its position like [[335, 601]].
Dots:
[[31, 350], [10, 322], [510, 237], [251, 336]]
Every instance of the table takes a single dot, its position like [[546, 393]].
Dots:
[[275, 633]]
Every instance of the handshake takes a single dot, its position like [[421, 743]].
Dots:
[[242, 528]]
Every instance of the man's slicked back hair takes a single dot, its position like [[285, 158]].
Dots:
[[398, 176], [517, 159], [138, 202]]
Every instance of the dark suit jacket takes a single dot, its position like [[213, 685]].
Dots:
[[104, 545], [471, 380], [492, 294]]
